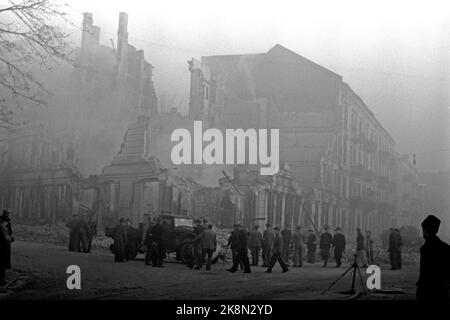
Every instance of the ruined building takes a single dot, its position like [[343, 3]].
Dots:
[[337, 151]]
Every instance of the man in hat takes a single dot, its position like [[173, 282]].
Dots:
[[311, 243], [277, 250], [233, 242], [241, 248], [120, 241], [434, 277], [208, 243], [339, 246], [361, 256], [197, 256], [255, 243], [326, 239], [268, 237]]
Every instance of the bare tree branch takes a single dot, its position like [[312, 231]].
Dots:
[[28, 37]]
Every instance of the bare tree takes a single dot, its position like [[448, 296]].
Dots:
[[28, 37]]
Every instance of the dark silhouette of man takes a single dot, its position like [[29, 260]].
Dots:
[[326, 239], [339, 246], [434, 277], [311, 243], [242, 252], [277, 251]]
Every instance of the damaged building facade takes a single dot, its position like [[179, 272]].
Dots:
[[340, 156]]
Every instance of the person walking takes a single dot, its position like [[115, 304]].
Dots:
[[326, 239], [311, 243], [433, 284], [361, 255], [277, 250], [268, 237], [241, 251], [255, 242], [298, 242], [339, 246], [208, 243]]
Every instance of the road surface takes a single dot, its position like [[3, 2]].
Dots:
[[43, 266]]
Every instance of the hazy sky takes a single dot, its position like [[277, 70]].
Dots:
[[394, 54]]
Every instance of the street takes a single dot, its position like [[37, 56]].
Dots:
[[44, 266]]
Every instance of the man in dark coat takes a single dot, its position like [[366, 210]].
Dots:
[[233, 243], [197, 250], [74, 240], [276, 252], [286, 234], [267, 244], [120, 241], [208, 243], [398, 249], [132, 241], [434, 279], [242, 251], [83, 234], [255, 243], [339, 246], [392, 249], [326, 239], [311, 244], [158, 237], [5, 247]]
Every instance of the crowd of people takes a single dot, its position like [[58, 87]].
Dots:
[[270, 246]]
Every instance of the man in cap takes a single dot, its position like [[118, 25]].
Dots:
[[298, 241], [197, 256], [277, 250], [434, 277], [339, 246], [208, 243], [326, 240], [233, 243]]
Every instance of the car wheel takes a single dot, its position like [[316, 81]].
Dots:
[[185, 253]]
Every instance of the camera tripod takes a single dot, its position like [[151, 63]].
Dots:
[[355, 269]]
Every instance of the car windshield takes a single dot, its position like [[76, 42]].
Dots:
[[181, 222]]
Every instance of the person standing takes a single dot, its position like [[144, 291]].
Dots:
[[241, 251], [434, 278], [268, 237], [83, 232], [132, 241], [277, 250], [5, 246], [157, 232], [92, 233], [326, 239], [311, 243], [255, 243], [392, 249], [197, 250], [208, 243], [74, 241], [339, 246], [298, 241], [286, 234], [233, 243], [361, 256], [398, 249], [369, 247], [120, 241]]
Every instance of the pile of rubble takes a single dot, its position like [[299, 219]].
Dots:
[[47, 233]]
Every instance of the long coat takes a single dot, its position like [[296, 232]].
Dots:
[[208, 239], [120, 241], [5, 248], [339, 242], [256, 239], [434, 278]]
